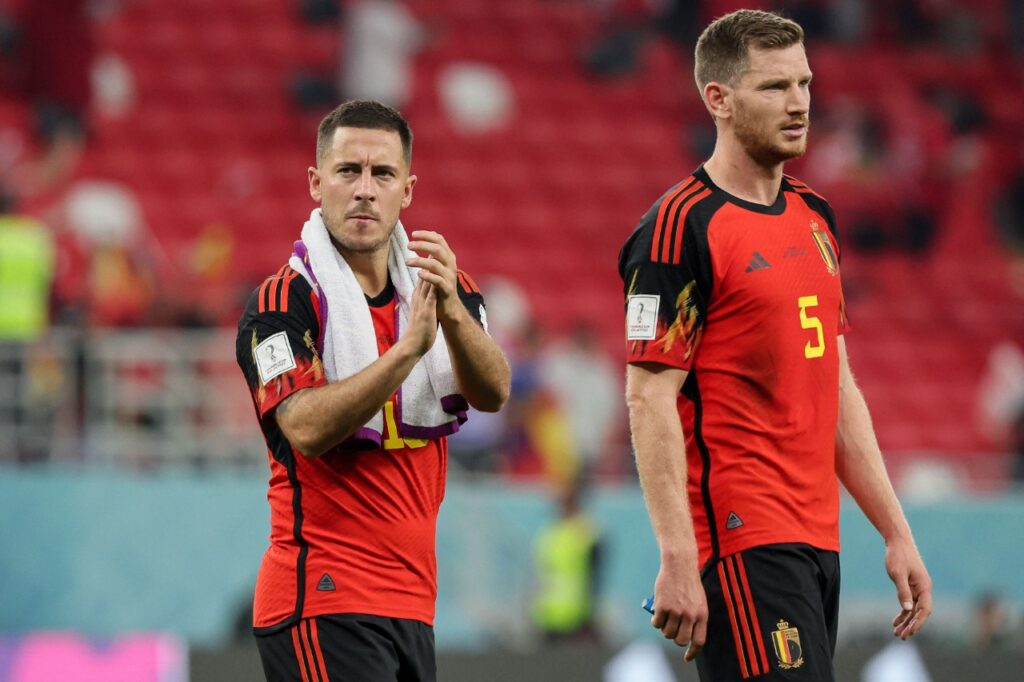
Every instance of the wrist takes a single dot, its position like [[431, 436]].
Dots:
[[680, 554], [456, 315], [409, 349]]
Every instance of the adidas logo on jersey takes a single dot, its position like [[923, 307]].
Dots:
[[757, 262], [325, 584], [733, 521]]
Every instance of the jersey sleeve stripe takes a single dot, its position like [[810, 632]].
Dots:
[[467, 283], [723, 579], [677, 249], [659, 224], [275, 284], [285, 285], [262, 298], [668, 234], [300, 652], [758, 634]]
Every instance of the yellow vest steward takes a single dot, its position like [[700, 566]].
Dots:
[[564, 570]]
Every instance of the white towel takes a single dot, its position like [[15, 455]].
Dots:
[[428, 405]]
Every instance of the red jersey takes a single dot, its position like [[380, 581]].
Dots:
[[748, 299], [352, 531]]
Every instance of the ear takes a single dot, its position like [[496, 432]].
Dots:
[[718, 100], [314, 184], [407, 196]]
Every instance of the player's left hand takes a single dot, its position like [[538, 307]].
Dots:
[[436, 262], [904, 565]]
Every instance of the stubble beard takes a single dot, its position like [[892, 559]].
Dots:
[[347, 245], [756, 140]]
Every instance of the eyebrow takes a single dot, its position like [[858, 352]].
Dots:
[[374, 168], [769, 82]]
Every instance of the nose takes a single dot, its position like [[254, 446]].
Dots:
[[364, 186], [799, 100]]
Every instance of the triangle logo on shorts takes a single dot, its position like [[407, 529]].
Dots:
[[325, 584], [733, 521]]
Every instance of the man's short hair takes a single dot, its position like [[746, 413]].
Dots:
[[363, 114], [722, 49]]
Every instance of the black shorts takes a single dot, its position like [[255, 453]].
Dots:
[[773, 612], [350, 647]]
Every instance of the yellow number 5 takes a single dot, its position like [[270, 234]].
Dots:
[[811, 322]]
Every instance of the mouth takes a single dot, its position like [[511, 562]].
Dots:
[[795, 130], [362, 216]]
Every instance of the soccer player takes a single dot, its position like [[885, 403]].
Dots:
[[734, 324], [347, 350]]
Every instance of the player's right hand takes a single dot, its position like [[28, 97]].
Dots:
[[422, 317], [680, 605]]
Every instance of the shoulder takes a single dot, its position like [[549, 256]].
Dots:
[[683, 212], [814, 201], [284, 292]]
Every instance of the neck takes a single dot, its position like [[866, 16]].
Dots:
[[732, 169], [369, 267]]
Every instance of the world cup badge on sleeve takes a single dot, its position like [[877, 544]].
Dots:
[[787, 646]]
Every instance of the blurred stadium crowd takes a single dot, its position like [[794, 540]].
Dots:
[[153, 158], [152, 170]]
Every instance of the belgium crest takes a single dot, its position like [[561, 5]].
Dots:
[[825, 248], [787, 646]]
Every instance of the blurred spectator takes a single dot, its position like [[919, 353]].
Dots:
[[210, 269], [877, 174], [52, 59], [119, 281], [1015, 20], [1001, 395], [588, 388], [849, 20], [476, 97], [1017, 448], [26, 273], [626, 27], [568, 559], [537, 439], [320, 11], [991, 623], [615, 52], [113, 86], [381, 38], [1009, 212], [57, 50], [480, 443]]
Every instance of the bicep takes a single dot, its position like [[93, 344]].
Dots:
[[288, 413]]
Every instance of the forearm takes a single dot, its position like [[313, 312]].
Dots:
[[661, 463], [481, 371], [860, 466], [316, 419]]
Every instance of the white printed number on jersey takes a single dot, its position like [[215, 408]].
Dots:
[[274, 357], [642, 317]]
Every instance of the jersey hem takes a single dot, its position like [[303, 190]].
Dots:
[[759, 540], [361, 609]]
